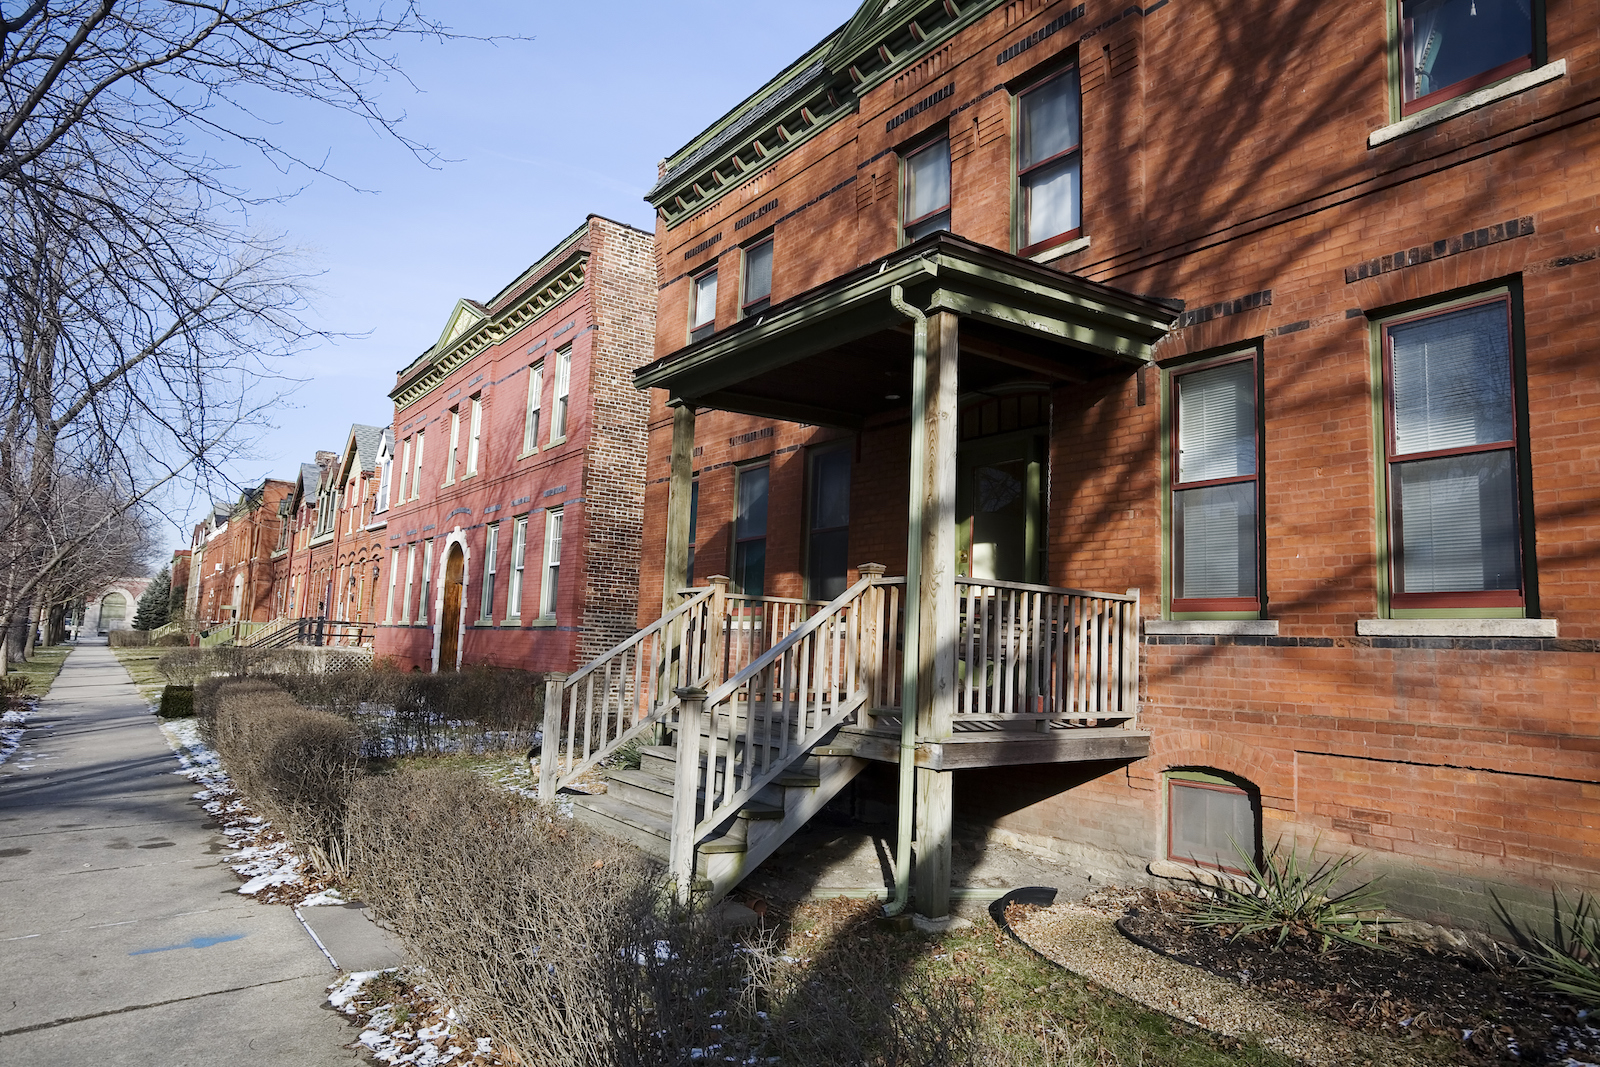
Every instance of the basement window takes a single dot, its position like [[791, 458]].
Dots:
[[1210, 820]]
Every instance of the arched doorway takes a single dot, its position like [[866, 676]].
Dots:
[[113, 612], [450, 618]]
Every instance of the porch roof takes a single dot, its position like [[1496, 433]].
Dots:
[[840, 353]]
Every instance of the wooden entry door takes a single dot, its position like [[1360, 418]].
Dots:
[[450, 617]]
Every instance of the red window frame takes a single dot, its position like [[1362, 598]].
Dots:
[[750, 307], [1254, 845], [1494, 598], [1460, 88], [1193, 604], [1025, 207], [699, 331]]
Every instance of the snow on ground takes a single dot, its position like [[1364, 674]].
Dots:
[[272, 871], [402, 1023], [11, 727]]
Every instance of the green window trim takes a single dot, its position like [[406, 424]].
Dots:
[[1377, 371]]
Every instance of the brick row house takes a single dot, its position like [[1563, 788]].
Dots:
[[231, 572], [514, 531], [1214, 387]]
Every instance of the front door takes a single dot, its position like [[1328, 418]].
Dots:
[[450, 617], [999, 502]]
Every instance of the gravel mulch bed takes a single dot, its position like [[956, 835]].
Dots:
[[1084, 939]]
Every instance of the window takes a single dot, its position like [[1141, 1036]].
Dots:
[[385, 476], [455, 446], [530, 425], [474, 432], [394, 581], [694, 522], [1455, 531], [486, 597], [552, 563], [519, 549], [829, 535], [405, 466], [1215, 489], [427, 582], [1210, 820], [703, 307], [558, 401], [1049, 163], [757, 278], [1450, 47], [416, 471], [927, 190], [750, 532]]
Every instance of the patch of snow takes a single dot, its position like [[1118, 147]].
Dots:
[[327, 897], [12, 723]]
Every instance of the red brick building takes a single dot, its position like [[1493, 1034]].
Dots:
[[232, 575], [1282, 316], [514, 529]]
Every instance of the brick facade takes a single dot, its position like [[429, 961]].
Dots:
[[591, 296], [1228, 167]]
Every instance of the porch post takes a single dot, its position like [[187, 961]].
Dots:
[[675, 575], [935, 500]]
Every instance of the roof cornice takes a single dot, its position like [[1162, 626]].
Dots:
[[881, 40], [424, 376]]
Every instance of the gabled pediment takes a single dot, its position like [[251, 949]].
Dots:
[[466, 315], [876, 20]]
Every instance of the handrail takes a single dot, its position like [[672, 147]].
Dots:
[[1023, 587], [700, 597]]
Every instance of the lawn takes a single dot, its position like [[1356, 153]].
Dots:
[[141, 663], [42, 669]]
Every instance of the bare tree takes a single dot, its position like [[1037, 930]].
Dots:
[[139, 314]]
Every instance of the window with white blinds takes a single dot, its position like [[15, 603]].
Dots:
[[1215, 491], [1455, 527]]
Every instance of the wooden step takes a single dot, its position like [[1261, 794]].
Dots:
[[662, 762], [649, 832], [654, 793]]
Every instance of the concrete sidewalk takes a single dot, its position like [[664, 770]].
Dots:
[[122, 937]]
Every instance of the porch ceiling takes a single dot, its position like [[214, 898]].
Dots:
[[840, 353]]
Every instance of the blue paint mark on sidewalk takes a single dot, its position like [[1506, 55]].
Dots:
[[198, 942]]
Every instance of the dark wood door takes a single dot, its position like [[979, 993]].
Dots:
[[450, 617]]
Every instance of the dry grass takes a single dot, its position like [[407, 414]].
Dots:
[[143, 665], [40, 671]]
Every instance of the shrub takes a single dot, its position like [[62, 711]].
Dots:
[[128, 638], [14, 684], [186, 666], [177, 640], [1568, 961], [295, 764], [1287, 896], [177, 702]]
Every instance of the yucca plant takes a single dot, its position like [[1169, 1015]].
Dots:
[[1288, 895], [1569, 960]]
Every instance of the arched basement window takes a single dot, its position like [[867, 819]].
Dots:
[[1211, 818]]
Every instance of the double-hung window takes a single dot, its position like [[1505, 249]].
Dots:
[[828, 541], [416, 471], [1049, 163], [1455, 528], [394, 580], [1215, 488], [474, 433], [750, 532], [927, 190], [519, 551], [757, 278], [703, 306], [411, 574], [1450, 47], [455, 446], [423, 606], [558, 401], [491, 540], [405, 468], [530, 424], [552, 563]]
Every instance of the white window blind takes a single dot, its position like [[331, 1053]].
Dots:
[[1458, 524], [1217, 541], [1452, 381], [1217, 423]]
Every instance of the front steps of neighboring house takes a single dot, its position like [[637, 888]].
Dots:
[[637, 808]]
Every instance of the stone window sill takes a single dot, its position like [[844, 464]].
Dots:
[[1460, 105], [515, 622], [1218, 627], [1182, 872], [542, 624], [1061, 251], [1456, 627]]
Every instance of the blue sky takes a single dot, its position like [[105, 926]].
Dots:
[[541, 132]]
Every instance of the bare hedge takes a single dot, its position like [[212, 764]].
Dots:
[[296, 764]]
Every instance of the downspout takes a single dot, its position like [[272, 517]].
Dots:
[[913, 612]]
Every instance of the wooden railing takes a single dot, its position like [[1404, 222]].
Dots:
[[1034, 651], [771, 713]]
